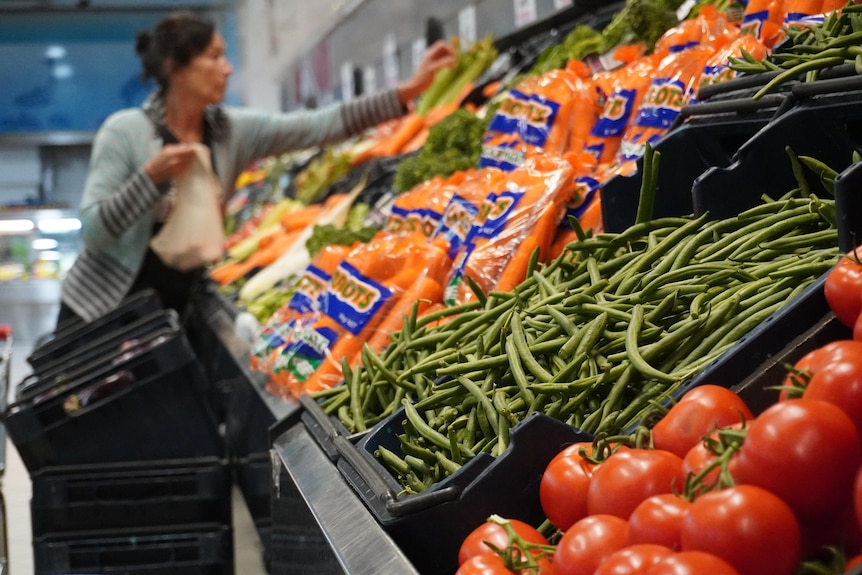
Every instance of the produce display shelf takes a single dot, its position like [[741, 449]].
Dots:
[[327, 512]]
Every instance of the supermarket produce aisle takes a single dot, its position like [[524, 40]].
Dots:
[[30, 320]]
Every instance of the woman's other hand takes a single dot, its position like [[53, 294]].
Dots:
[[438, 56], [171, 161]]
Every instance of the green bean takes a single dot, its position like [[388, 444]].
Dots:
[[634, 354], [517, 370], [484, 403], [392, 461], [796, 71], [523, 354]]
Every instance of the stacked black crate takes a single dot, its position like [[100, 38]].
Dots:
[[126, 460]]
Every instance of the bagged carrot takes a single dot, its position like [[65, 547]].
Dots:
[[360, 292], [671, 88], [585, 107], [463, 206], [717, 67], [619, 92], [421, 207], [267, 353], [762, 19], [532, 118], [799, 14], [517, 218]]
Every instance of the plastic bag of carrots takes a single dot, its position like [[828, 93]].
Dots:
[[361, 293], [717, 69], [421, 208], [534, 117], [463, 207], [619, 93], [513, 221], [763, 19]]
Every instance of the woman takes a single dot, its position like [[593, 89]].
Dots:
[[138, 151]]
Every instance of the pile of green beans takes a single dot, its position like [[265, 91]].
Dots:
[[837, 41], [615, 324]]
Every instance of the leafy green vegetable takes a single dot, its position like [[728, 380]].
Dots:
[[454, 143], [578, 43], [328, 234], [321, 173], [639, 21]]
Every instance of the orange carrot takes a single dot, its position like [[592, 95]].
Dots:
[[229, 272], [411, 125], [516, 270], [564, 237], [416, 142], [299, 219]]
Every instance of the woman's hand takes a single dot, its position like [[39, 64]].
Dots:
[[438, 56], [171, 161]]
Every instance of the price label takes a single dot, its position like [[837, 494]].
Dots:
[[560, 4], [525, 12], [369, 80], [418, 51], [390, 61], [467, 24], [347, 81]]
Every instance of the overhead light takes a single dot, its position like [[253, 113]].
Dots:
[[15, 226], [59, 225], [63, 71], [55, 52], [45, 244], [50, 256]]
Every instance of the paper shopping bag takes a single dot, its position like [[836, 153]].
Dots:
[[193, 235]]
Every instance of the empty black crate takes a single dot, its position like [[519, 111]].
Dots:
[[98, 350], [76, 334], [188, 550], [143, 403], [89, 497], [709, 136], [254, 480], [826, 125]]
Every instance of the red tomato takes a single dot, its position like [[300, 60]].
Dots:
[[474, 544], [699, 457], [806, 452], [587, 543], [853, 562], [574, 450], [840, 383], [484, 565], [633, 560], [748, 527], [857, 497], [857, 329], [692, 563], [628, 477], [658, 519], [698, 412], [815, 360], [563, 489], [843, 290]]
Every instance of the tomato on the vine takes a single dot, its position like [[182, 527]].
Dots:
[[633, 560], [628, 477], [658, 520], [806, 452], [843, 289], [747, 526], [857, 496], [815, 360], [476, 543], [692, 563], [587, 543], [484, 565], [840, 383], [699, 411], [563, 488]]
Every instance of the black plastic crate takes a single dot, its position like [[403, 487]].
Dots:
[[826, 124], [203, 549], [254, 480], [139, 404], [507, 485], [848, 205], [102, 348], [88, 497], [756, 389], [708, 135], [76, 334]]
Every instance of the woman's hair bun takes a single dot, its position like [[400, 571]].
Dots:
[[142, 42]]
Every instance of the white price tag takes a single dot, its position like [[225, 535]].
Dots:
[[560, 4], [369, 80], [347, 81], [418, 52], [390, 61], [525, 12], [467, 24]]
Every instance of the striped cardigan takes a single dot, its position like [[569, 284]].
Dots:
[[120, 202]]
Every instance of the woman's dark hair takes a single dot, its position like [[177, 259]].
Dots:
[[179, 37]]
